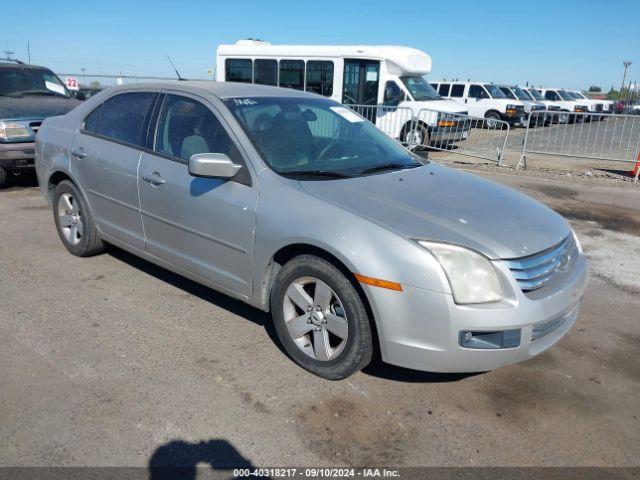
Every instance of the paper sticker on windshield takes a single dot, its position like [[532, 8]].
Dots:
[[244, 101], [347, 114], [54, 87]]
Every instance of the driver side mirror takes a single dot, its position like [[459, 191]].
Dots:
[[392, 96], [213, 165]]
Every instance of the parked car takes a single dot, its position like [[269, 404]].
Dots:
[[530, 104], [296, 205], [551, 106], [566, 102], [484, 100], [85, 93], [374, 79], [597, 107], [28, 94]]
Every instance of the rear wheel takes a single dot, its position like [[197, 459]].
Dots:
[[4, 178], [320, 318], [74, 222]]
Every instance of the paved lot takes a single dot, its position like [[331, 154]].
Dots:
[[113, 361]]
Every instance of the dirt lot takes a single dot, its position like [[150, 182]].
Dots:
[[113, 361]]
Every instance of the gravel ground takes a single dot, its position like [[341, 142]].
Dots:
[[113, 361]]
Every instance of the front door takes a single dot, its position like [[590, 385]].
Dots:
[[202, 225], [360, 85]]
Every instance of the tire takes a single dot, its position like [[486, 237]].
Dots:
[[417, 136], [343, 357], [4, 178], [74, 222], [490, 119]]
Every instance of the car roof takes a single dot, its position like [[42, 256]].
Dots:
[[23, 66], [219, 89]]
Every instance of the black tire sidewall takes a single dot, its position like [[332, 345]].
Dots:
[[358, 351], [4, 178]]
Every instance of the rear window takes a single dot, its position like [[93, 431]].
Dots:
[[122, 118]]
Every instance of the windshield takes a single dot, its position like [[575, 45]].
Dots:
[[507, 91], [565, 95], [420, 89], [521, 94], [535, 94], [494, 91], [19, 80], [578, 96], [308, 137]]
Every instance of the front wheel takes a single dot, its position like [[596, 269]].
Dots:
[[74, 222], [491, 119], [320, 318], [416, 136]]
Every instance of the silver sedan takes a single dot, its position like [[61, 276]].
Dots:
[[298, 206]]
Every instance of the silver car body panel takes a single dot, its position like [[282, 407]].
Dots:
[[225, 234]]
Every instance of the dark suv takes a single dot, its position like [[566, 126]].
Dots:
[[28, 95]]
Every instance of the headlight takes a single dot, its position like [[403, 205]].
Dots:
[[13, 130], [472, 277]]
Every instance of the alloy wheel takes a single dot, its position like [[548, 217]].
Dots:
[[70, 219]]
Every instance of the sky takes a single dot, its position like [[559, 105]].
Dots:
[[573, 44]]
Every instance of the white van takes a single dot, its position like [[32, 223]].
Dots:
[[551, 106], [353, 75], [530, 104], [596, 106], [565, 101], [484, 100]]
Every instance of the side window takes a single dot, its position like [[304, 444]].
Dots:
[[265, 72], [238, 70], [443, 89], [476, 91], [320, 77], [292, 74], [392, 93], [91, 121], [457, 90], [187, 127], [123, 117]]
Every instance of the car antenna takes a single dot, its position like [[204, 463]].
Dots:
[[175, 69]]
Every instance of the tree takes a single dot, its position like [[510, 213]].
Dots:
[[595, 89]]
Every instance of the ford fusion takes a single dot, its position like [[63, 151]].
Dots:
[[298, 206]]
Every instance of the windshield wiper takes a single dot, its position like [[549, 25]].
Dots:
[[316, 173], [389, 166], [42, 92]]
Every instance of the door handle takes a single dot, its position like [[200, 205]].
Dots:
[[153, 178], [78, 152]]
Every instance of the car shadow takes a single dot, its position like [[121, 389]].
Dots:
[[181, 460], [24, 180], [207, 294], [378, 369]]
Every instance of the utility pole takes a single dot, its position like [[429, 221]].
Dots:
[[627, 64]]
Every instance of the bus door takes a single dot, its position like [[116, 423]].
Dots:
[[360, 85]]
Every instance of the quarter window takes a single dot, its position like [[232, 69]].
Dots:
[[292, 74], [320, 78], [265, 72], [238, 70], [187, 127], [457, 90], [122, 117], [444, 89]]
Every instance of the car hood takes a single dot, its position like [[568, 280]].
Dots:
[[444, 205], [35, 107]]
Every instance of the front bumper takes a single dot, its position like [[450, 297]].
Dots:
[[420, 329], [17, 156], [450, 134], [519, 118]]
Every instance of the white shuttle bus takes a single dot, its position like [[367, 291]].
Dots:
[[389, 76]]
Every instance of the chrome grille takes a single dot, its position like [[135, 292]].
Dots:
[[535, 271]]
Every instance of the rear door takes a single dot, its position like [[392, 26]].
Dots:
[[202, 225], [105, 156]]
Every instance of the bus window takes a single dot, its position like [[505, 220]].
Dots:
[[320, 77], [292, 74], [238, 70], [265, 72]]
